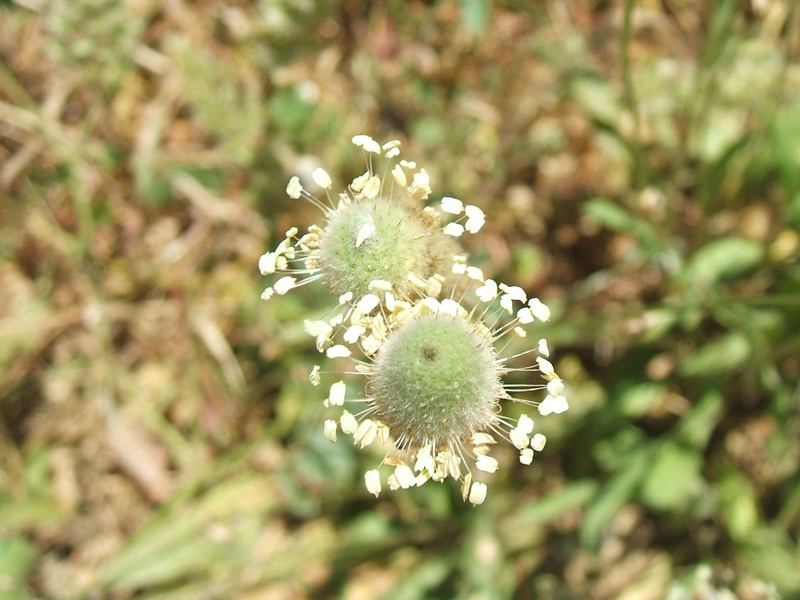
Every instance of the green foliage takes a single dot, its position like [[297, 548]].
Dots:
[[230, 107], [17, 556], [158, 435]]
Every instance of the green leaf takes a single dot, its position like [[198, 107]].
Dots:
[[39, 504], [419, 581], [774, 558], [613, 452], [613, 216], [739, 506], [289, 111], [612, 497], [17, 556], [673, 479], [475, 15], [175, 544], [659, 323], [718, 357], [553, 505], [596, 96], [697, 426], [722, 259], [638, 400]]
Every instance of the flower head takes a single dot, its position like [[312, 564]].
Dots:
[[435, 394], [434, 377], [374, 230]]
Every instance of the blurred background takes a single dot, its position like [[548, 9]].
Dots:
[[639, 165]]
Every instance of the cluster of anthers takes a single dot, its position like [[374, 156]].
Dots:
[[412, 307]]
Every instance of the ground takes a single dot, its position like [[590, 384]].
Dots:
[[638, 165]]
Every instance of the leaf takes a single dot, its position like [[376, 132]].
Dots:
[[722, 259], [612, 497], [697, 426], [553, 505], [659, 323], [176, 544], [475, 15], [420, 581], [17, 556], [595, 95], [775, 558], [611, 215], [718, 357], [673, 478], [39, 504], [638, 400], [613, 451], [739, 506]]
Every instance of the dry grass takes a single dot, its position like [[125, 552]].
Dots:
[[158, 437]]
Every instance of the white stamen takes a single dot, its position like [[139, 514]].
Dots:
[[336, 396], [518, 438], [293, 188], [380, 284], [543, 349], [399, 176], [476, 219], [486, 463], [373, 187], [553, 405], [477, 493], [452, 206], [450, 307], [515, 292], [329, 429], [321, 178], [480, 438], [525, 424], [405, 476], [454, 229], [352, 334], [366, 433], [313, 376], [367, 143], [424, 459], [266, 264], [475, 273], [338, 351], [555, 387], [367, 304], [525, 315], [348, 422], [359, 182], [539, 309], [488, 291], [545, 366], [372, 479], [284, 284]]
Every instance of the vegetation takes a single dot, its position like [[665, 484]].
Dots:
[[638, 164]]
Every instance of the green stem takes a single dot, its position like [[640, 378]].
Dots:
[[630, 95]]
